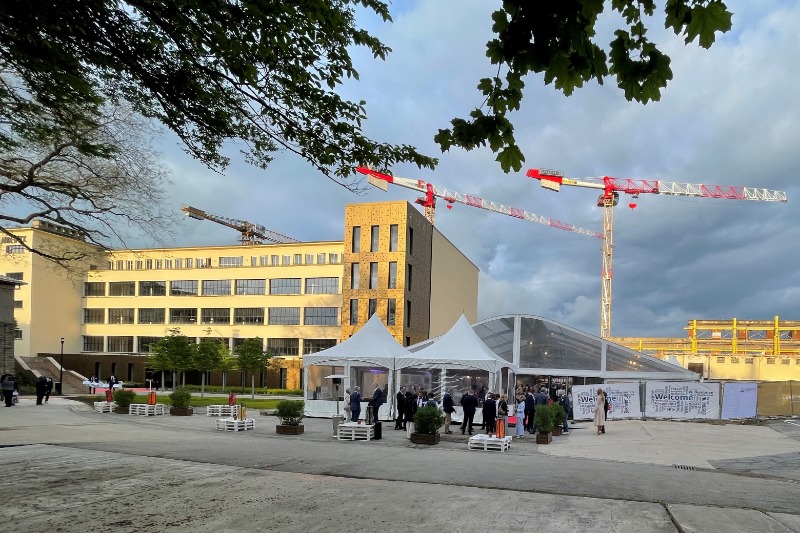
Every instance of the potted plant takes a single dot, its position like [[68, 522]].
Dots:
[[180, 400], [123, 398], [427, 421], [290, 413], [558, 419], [543, 417]]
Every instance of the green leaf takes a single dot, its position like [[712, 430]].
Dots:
[[511, 159], [706, 21]]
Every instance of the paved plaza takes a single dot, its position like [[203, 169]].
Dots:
[[67, 468]]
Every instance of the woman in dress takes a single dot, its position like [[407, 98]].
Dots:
[[347, 412], [600, 411], [520, 410]]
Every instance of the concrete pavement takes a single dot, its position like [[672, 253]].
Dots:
[[70, 469]]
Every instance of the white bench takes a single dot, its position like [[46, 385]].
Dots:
[[104, 407], [485, 443], [146, 409], [220, 410], [352, 431], [231, 424]]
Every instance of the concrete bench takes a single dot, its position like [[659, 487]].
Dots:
[[231, 424], [220, 410], [486, 443], [147, 409], [351, 431], [104, 407]]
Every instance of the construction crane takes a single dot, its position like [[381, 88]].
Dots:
[[612, 187], [431, 191], [251, 233]]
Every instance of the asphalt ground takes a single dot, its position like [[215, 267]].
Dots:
[[67, 468]]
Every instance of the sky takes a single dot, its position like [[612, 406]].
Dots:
[[728, 117]]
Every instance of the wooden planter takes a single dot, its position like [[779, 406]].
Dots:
[[121, 410], [181, 411], [281, 429], [425, 438], [544, 438], [558, 431]]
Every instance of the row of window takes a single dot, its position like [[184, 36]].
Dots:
[[749, 360], [375, 239], [750, 334], [372, 308], [215, 287], [374, 283], [276, 347], [222, 262], [276, 316]]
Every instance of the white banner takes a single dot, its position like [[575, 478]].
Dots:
[[681, 400], [624, 399], [739, 399]]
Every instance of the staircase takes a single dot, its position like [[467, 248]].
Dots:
[[47, 366]]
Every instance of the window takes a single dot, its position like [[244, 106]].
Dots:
[[734, 360], [355, 273], [183, 316], [155, 315], [286, 260], [757, 334], [93, 343], [748, 360], [408, 314], [148, 264], [121, 288], [373, 275], [391, 311], [283, 346], [392, 274], [251, 286], [139, 264], [160, 264], [721, 359], [230, 261], [18, 334], [408, 278], [372, 308], [353, 312], [333, 259], [356, 244], [410, 241], [18, 276], [284, 286], [152, 288], [770, 360], [322, 285], [275, 260], [784, 361], [320, 259], [375, 238], [216, 315], [283, 316], [393, 238], [183, 288], [189, 262], [216, 287], [94, 316], [263, 261], [317, 345], [120, 264], [785, 335], [17, 304], [129, 265], [144, 343], [298, 259], [120, 344], [15, 249], [248, 315], [321, 316], [94, 288], [309, 259]]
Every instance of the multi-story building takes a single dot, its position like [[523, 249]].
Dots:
[[299, 297]]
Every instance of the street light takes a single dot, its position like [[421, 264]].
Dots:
[[61, 370]]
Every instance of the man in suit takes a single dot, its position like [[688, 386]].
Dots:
[[48, 388], [449, 408], [470, 403], [355, 403], [375, 403], [401, 407], [540, 398]]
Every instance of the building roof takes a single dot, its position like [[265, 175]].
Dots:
[[11, 281]]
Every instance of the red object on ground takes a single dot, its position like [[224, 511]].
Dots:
[[109, 398], [151, 398], [499, 428], [231, 399]]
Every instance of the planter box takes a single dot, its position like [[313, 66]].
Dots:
[[181, 411], [558, 431], [121, 410], [544, 438], [280, 429], [425, 438]]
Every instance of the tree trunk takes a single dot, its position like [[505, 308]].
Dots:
[[203, 385], [224, 376], [163, 380], [253, 385]]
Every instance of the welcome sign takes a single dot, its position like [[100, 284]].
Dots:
[[681, 400], [624, 398]]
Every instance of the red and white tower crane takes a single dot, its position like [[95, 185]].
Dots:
[[431, 192], [250, 233], [611, 187]]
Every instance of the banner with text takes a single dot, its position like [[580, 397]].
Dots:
[[681, 400], [624, 399], [739, 399]]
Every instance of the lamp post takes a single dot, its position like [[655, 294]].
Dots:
[[61, 370]]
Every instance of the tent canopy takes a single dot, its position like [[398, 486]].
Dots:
[[458, 348], [372, 345]]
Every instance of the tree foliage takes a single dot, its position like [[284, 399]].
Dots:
[[208, 355], [252, 358], [174, 353], [262, 73], [557, 39]]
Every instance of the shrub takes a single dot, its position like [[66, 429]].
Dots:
[[558, 414], [544, 418], [124, 398], [428, 420], [290, 412], [181, 398]]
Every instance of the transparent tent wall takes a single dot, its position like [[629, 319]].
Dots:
[[364, 377], [463, 380], [319, 388]]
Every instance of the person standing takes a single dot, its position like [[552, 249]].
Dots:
[[40, 388], [355, 403], [8, 384], [565, 403], [401, 406], [520, 416], [489, 412], [600, 411], [470, 403], [347, 412], [375, 403], [529, 409], [48, 388], [449, 408], [112, 380], [502, 415], [410, 409]]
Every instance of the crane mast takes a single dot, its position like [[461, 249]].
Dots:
[[250, 233], [612, 187], [431, 192]]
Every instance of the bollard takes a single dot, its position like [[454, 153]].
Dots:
[[151, 398], [109, 397], [231, 399]]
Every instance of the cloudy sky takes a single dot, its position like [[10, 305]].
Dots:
[[730, 116]]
